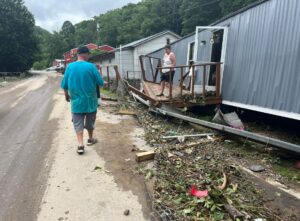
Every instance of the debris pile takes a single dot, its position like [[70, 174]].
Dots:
[[195, 178]]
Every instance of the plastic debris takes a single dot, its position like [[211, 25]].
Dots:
[[198, 193]]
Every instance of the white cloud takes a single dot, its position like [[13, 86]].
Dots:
[[50, 14]]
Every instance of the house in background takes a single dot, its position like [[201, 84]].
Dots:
[[69, 55], [127, 56], [260, 49]]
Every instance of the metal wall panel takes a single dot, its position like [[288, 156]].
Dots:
[[263, 57], [262, 66]]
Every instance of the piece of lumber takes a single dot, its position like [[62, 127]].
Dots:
[[144, 156], [109, 99], [125, 112]]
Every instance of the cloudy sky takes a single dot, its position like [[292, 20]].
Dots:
[[50, 14]]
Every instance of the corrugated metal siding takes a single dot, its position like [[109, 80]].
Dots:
[[262, 66], [262, 58]]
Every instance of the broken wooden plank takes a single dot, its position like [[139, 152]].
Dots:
[[109, 99], [126, 112], [144, 156]]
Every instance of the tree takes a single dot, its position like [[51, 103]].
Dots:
[[41, 56], [18, 43], [229, 6], [198, 12], [86, 32], [68, 34]]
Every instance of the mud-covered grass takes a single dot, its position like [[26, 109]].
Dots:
[[109, 94]]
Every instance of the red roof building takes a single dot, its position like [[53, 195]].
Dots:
[[69, 55]]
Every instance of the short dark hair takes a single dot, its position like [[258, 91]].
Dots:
[[168, 47], [83, 50]]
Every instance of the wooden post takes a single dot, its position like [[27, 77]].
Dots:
[[193, 80], [127, 75], [170, 84], [143, 68], [157, 70], [218, 80], [181, 80], [150, 61], [108, 78], [204, 80], [101, 71]]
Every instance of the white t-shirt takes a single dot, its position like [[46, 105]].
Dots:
[[167, 62]]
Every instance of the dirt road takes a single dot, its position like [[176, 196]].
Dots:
[[42, 177], [25, 135]]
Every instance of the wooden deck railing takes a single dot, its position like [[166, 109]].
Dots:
[[106, 71], [193, 67]]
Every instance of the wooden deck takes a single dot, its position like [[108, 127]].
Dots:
[[152, 89]]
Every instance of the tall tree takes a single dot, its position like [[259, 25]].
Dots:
[[41, 61], [68, 34], [18, 43], [86, 32]]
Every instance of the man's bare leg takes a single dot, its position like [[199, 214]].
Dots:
[[162, 86], [80, 138], [90, 132]]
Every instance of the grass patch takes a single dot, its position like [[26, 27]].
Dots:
[[108, 93], [288, 171]]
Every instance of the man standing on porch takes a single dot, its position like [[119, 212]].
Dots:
[[169, 61]]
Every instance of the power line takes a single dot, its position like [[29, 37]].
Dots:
[[202, 5]]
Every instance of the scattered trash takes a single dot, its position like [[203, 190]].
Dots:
[[257, 168], [297, 165], [198, 193], [231, 119], [260, 219], [127, 160], [134, 149], [97, 168], [223, 186], [127, 212], [177, 153]]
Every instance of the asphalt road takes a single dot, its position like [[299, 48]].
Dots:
[[25, 143]]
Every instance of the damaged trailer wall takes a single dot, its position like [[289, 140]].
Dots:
[[262, 63]]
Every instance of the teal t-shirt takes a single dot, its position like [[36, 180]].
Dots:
[[81, 79]]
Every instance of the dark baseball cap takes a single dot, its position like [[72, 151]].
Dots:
[[83, 50]]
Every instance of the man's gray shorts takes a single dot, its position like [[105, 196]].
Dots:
[[81, 121]]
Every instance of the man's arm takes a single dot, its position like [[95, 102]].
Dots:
[[67, 96]]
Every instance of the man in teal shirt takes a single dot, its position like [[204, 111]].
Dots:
[[80, 81]]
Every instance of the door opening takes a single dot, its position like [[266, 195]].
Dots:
[[216, 53]]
